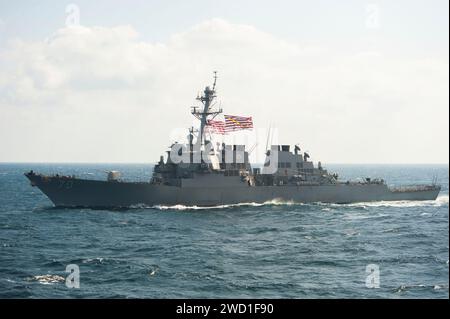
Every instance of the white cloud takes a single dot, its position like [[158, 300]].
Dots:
[[103, 94]]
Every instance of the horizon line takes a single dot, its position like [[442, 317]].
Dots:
[[330, 163]]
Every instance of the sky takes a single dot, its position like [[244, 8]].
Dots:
[[113, 81]]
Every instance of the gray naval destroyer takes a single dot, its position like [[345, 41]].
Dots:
[[197, 174]]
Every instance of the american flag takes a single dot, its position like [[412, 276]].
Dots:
[[232, 123], [216, 127], [235, 123]]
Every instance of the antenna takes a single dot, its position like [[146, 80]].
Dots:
[[271, 139], [215, 80], [435, 180], [268, 134], [252, 148]]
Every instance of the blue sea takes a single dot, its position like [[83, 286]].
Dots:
[[275, 250]]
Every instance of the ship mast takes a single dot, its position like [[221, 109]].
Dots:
[[207, 113]]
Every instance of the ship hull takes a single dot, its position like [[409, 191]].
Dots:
[[73, 192]]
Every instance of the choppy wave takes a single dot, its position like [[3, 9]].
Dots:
[[274, 202], [403, 288], [47, 279], [440, 201], [353, 216], [93, 260]]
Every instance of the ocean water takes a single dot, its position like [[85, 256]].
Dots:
[[275, 250]]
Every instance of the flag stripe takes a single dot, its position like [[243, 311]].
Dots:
[[217, 127], [232, 123]]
